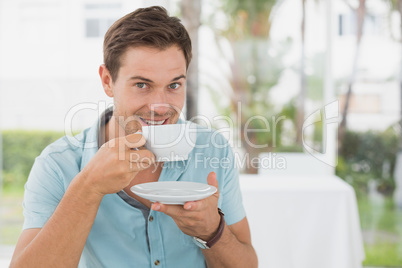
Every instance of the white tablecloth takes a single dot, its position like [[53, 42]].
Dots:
[[303, 222]]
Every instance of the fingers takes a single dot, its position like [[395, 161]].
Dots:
[[171, 210], [140, 160], [135, 126], [142, 156], [122, 149], [196, 205], [201, 204], [130, 141], [195, 218], [211, 180], [193, 205], [134, 140], [191, 218]]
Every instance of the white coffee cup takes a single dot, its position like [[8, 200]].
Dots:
[[172, 142]]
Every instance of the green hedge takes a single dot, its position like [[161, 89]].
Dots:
[[20, 148], [366, 156]]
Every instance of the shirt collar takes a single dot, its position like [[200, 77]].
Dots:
[[95, 137]]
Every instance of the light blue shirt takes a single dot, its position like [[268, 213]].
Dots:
[[123, 234]]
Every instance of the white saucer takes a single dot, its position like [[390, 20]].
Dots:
[[173, 192]]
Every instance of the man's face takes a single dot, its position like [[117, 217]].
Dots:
[[150, 87]]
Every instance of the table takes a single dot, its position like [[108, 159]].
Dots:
[[303, 222]]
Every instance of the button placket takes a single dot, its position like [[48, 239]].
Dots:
[[155, 240]]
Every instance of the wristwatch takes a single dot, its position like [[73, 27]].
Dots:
[[207, 245]]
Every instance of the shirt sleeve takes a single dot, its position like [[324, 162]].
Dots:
[[232, 202], [43, 192]]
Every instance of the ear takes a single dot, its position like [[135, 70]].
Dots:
[[106, 79]]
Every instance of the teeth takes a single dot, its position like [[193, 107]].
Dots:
[[150, 122]]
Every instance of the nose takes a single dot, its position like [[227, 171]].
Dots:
[[158, 103]]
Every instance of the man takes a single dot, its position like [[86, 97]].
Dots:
[[78, 207]]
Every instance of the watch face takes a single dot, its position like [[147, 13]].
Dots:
[[199, 242]]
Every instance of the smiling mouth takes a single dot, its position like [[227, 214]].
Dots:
[[154, 122]]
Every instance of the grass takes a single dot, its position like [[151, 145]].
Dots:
[[9, 234], [381, 223], [383, 254], [11, 218], [13, 191]]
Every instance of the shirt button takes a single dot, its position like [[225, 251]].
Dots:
[[151, 218], [157, 262]]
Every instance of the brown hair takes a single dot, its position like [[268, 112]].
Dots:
[[150, 27]]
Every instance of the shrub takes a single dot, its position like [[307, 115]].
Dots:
[[366, 156], [20, 148]]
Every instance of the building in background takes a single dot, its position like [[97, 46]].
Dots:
[[50, 52], [375, 102]]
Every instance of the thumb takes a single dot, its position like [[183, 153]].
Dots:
[[211, 180]]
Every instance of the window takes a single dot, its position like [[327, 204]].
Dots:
[[347, 24], [373, 24], [99, 17], [362, 103], [97, 27]]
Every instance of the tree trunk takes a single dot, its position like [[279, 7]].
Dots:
[[361, 12], [400, 74], [243, 98], [397, 195], [303, 82], [191, 13]]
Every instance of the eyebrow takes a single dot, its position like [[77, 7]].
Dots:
[[138, 77], [178, 78]]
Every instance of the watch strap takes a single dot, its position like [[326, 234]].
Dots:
[[218, 234]]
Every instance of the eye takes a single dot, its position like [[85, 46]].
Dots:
[[174, 85], [141, 85]]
